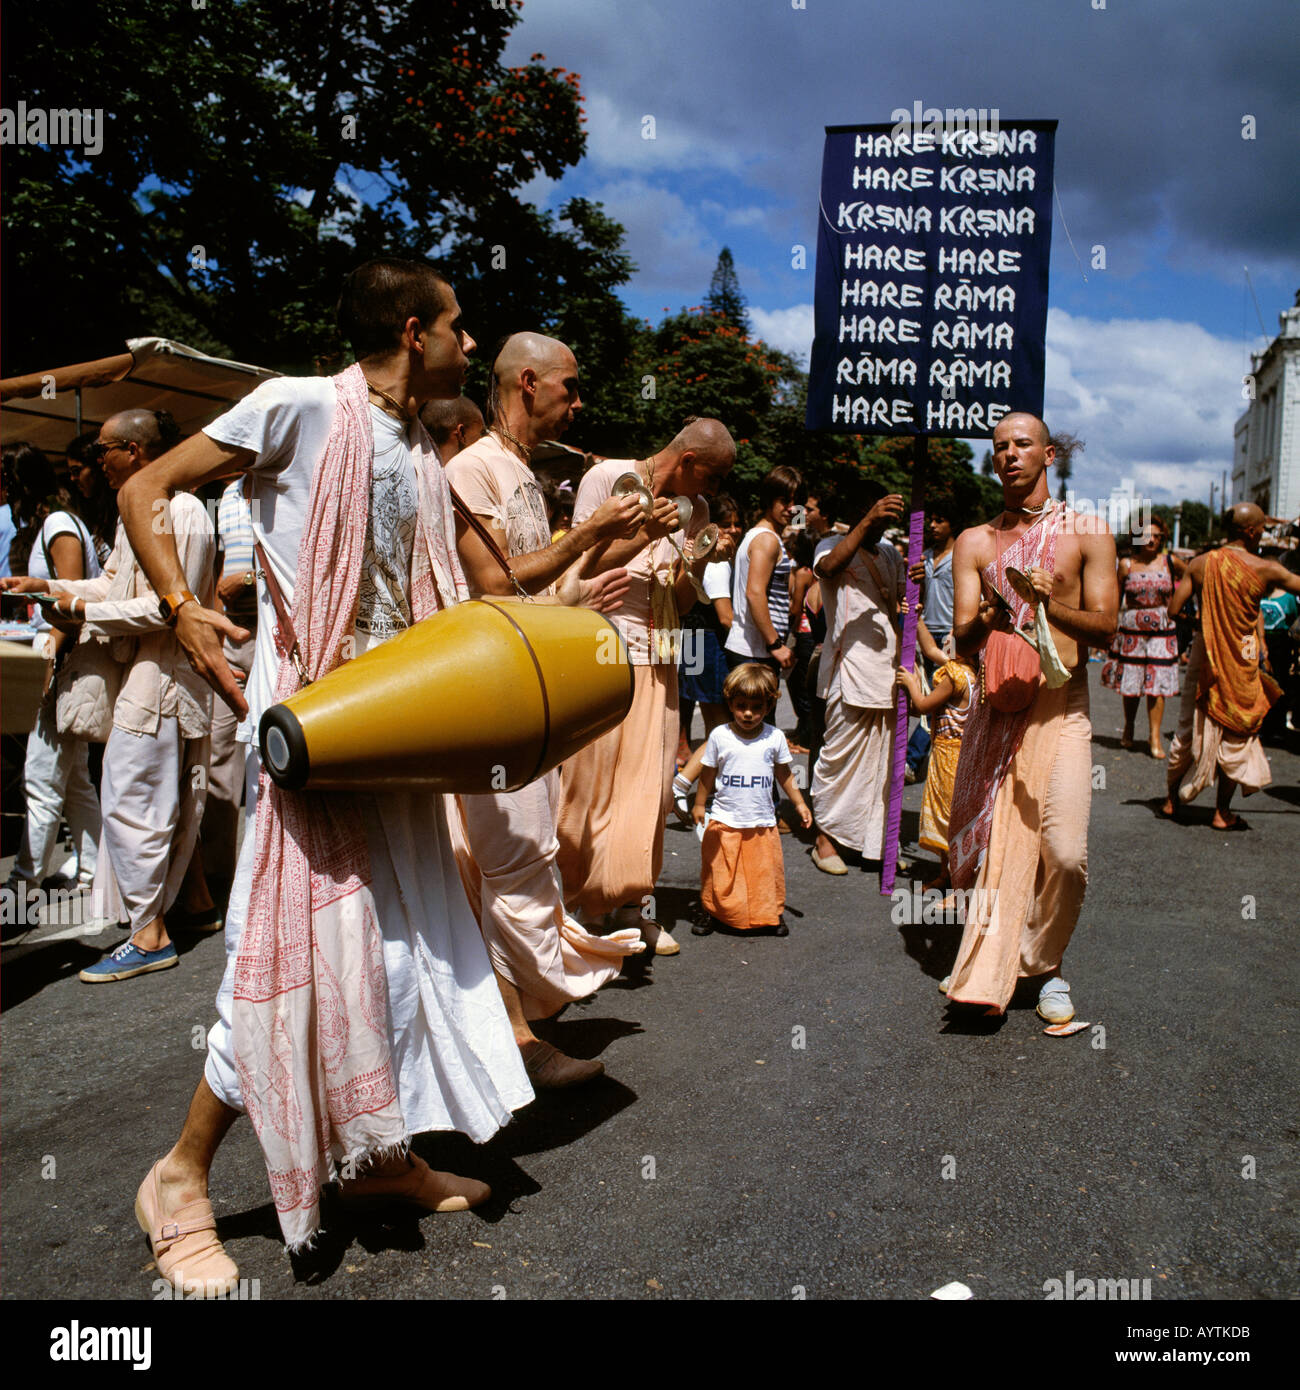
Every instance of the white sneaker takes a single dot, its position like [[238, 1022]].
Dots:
[[1054, 1003]]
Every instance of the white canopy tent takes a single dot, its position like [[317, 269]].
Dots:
[[49, 409]]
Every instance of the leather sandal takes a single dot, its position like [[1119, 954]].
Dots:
[[185, 1245], [417, 1186], [549, 1069]]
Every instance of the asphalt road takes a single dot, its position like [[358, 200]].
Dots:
[[902, 1146]]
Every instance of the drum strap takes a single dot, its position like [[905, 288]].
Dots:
[[288, 638], [475, 525]]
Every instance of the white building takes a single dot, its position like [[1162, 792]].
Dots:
[[1266, 439]]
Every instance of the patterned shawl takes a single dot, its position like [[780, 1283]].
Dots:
[[311, 995], [992, 738]]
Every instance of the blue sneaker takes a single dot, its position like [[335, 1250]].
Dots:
[[129, 960]]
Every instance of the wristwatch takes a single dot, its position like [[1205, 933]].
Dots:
[[772, 646], [170, 604]]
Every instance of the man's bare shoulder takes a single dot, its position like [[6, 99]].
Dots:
[[975, 547], [1086, 524]]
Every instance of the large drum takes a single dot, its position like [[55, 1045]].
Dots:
[[486, 696]]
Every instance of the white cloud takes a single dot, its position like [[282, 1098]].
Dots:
[[1155, 401], [674, 251], [790, 330], [652, 136]]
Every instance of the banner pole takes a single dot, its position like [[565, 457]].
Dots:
[[907, 655]]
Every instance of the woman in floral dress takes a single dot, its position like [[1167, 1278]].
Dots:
[[1144, 655]]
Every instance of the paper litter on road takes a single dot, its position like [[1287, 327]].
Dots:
[[952, 1292]]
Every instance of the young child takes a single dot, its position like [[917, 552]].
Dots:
[[950, 695], [742, 881]]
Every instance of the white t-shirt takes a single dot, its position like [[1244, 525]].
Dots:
[[717, 579], [60, 524], [286, 423], [742, 790]]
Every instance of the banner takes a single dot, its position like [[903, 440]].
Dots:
[[931, 293]]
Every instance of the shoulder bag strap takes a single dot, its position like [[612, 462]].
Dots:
[[288, 638], [475, 525]]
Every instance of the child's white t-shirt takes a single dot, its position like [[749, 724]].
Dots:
[[742, 790]]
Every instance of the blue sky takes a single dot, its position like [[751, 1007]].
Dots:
[[1145, 358]]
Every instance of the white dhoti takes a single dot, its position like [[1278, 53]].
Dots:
[[506, 847], [455, 1062], [153, 790], [850, 785], [56, 780]]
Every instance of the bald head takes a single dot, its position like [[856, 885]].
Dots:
[[1245, 521], [453, 424], [706, 437], [153, 430], [534, 388], [702, 453], [1017, 420], [524, 350]]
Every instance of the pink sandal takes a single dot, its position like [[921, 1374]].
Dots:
[[185, 1246]]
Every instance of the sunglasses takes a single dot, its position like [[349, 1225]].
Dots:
[[99, 449]]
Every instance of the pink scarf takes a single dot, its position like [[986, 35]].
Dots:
[[311, 994], [993, 738]]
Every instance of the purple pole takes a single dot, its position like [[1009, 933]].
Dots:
[[916, 524]]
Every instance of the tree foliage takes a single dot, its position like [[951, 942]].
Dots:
[[725, 298], [256, 150]]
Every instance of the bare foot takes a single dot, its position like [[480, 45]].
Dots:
[[1126, 739], [179, 1184], [1157, 752], [1168, 810]]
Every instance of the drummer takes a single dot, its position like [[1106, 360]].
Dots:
[[543, 959], [383, 980]]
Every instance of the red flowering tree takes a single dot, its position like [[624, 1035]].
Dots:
[[253, 150]]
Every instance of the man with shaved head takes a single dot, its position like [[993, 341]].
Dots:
[[152, 793], [616, 791], [505, 841], [453, 425], [1018, 830], [1226, 696]]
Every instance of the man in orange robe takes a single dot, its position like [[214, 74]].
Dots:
[[1226, 694]]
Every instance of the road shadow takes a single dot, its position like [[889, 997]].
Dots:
[[1291, 795], [583, 1037], [932, 945], [27, 967], [971, 1021], [1138, 748]]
